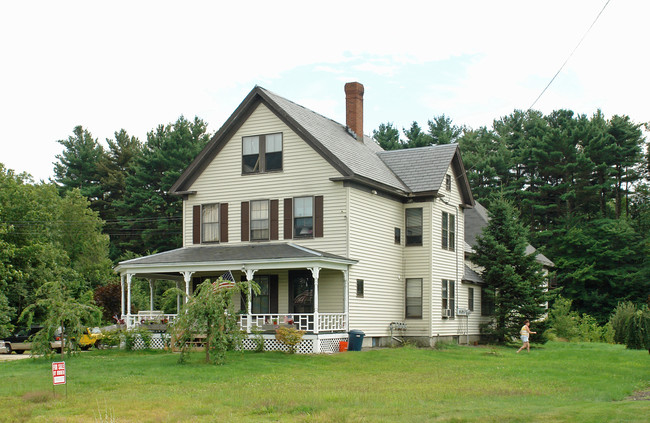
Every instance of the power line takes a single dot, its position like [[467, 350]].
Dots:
[[570, 55]]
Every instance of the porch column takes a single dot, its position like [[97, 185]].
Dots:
[[178, 299], [128, 301], [315, 271], [346, 298], [122, 295], [249, 308], [187, 276], [151, 286]]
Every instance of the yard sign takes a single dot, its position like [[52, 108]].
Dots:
[[58, 373]]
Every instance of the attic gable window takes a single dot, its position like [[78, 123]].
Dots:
[[448, 182], [262, 153]]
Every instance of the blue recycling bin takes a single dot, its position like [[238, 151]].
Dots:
[[356, 340]]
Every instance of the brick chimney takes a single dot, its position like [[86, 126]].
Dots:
[[354, 108]]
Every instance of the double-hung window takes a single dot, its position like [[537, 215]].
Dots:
[[448, 182], [413, 298], [303, 217], [448, 297], [414, 226], [259, 220], [262, 153], [448, 231], [210, 222]]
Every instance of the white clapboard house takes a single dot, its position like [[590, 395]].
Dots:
[[339, 234]]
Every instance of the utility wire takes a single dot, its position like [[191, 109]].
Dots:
[[570, 55]]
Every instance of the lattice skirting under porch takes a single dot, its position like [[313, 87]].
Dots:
[[328, 343], [158, 342]]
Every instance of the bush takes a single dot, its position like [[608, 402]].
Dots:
[[290, 337], [620, 321], [569, 325]]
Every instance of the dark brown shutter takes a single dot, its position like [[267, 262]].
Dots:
[[274, 219], [288, 218], [273, 294], [196, 224], [223, 222], [318, 216], [245, 221]]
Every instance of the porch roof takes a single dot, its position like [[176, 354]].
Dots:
[[232, 257]]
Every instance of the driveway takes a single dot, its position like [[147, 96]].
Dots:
[[13, 357]]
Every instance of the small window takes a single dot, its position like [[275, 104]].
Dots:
[[303, 217], [262, 153], [448, 297], [398, 236], [359, 287], [470, 299], [210, 223], [448, 231], [413, 298], [448, 182], [487, 303], [259, 220], [414, 226]]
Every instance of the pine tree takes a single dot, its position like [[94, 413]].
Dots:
[[514, 279], [387, 137]]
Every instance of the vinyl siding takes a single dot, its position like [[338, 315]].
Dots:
[[450, 265], [304, 173], [372, 222]]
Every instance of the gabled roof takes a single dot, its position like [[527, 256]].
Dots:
[[423, 169], [364, 162], [477, 218]]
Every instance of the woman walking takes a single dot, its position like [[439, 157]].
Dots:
[[525, 333]]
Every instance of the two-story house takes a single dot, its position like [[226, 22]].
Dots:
[[338, 233]]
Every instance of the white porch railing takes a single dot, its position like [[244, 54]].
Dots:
[[147, 316], [327, 322]]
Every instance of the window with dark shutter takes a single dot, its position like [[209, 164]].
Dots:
[[196, 224], [288, 218], [245, 216], [223, 210], [274, 219], [318, 216]]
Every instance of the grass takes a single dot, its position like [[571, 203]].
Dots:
[[557, 382]]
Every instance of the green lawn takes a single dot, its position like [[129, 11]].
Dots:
[[555, 382]]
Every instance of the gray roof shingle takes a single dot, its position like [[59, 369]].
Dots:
[[226, 253], [421, 169]]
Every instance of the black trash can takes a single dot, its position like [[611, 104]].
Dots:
[[356, 340]]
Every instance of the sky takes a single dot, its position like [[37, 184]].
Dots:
[[138, 64]]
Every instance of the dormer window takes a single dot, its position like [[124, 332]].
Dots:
[[262, 153]]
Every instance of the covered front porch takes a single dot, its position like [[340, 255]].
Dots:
[[299, 286]]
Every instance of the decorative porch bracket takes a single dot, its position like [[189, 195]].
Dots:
[[249, 306]]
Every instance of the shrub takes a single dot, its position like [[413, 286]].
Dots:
[[620, 321], [289, 337]]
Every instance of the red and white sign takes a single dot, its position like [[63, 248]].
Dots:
[[58, 372]]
